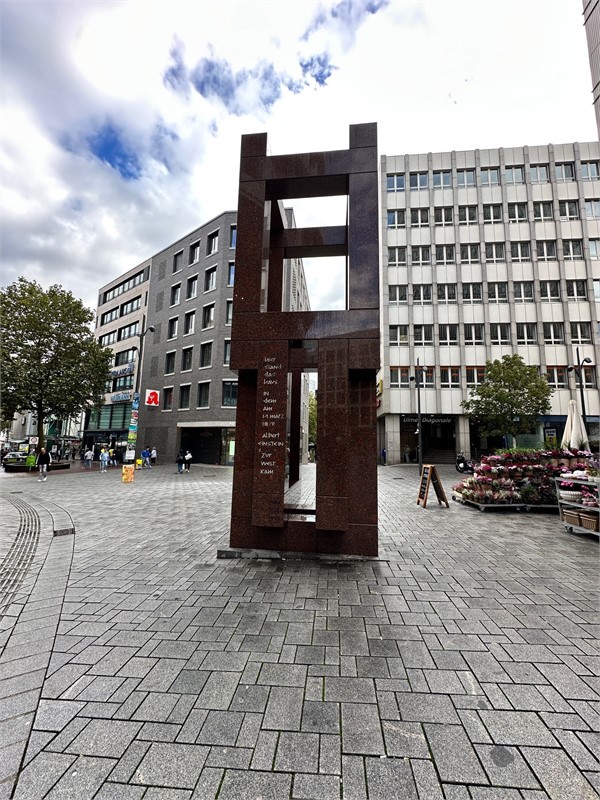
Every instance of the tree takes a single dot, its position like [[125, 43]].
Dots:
[[510, 399], [312, 418], [50, 362]]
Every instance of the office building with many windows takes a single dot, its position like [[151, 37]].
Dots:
[[486, 253], [591, 16]]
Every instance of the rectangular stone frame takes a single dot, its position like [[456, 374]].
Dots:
[[268, 343]]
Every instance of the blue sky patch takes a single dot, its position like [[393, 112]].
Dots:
[[108, 145], [176, 76], [214, 78], [318, 67]]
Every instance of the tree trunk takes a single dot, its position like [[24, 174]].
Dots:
[[40, 429]]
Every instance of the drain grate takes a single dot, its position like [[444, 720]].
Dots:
[[20, 555], [64, 532]]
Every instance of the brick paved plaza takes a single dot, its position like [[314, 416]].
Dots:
[[463, 663]]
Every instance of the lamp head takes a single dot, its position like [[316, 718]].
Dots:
[[150, 328], [587, 360]]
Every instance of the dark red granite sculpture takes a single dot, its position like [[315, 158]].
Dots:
[[267, 344]]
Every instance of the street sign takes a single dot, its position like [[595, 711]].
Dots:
[[34, 440]]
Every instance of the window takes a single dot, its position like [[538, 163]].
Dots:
[[442, 179], [448, 334], [399, 376], [595, 249], [446, 292], [444, 254], [396, 256], [469, 253], [172, 328], [205, 354], [597, 291], [419, 217], [498, 292], [187, 359], [442, 215], [233, 236], [125, 357], [226, 352], [520, 251], [212, 243], [492, 213], [167, 398], [109, 316], [514, 175], [422, 294], [467, 215], [229, 397], [450, 377], [421, 254], [203, 394], [524, 292], [517, 212], [592, 209], [128, 331], [494, 252], [398, 334], [418, 180], [473, 333], [549, 291], [428, 378], [395, 183], [423, 334], [208, 316], [526, 333], [184, 396], [192, 288], [557, 377], [543, 211], [589, 377], [210, 279], [565, 172], [396, 218], [472, 293], [539, 173], [398, 294], [546, 251], [175, 294], [589, 170], [568, 209], [554, 332], [194, 253], [130, 306], [475, 375], [572, 249], [581, 332], [189, 323], [124, 382], [465, 177], [490, 176], [108, 338], [228, 312], [123, 287], [500, 333], [230, 273], [577, 290], [170, 363], [178, 261]]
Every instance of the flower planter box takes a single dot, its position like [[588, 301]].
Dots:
[[570, 497]]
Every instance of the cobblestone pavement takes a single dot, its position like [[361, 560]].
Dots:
[[463, 663]]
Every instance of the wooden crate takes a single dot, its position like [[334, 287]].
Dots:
[[590, 522], [570, 516]]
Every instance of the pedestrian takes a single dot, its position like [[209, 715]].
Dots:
[[384, 456], [180, 461], [112, 457], [153, 455], [103, 459], [145, 454], [188, 460], [43, 461], [88, 457]]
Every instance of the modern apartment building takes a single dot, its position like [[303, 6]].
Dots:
[[486, 253], [591, 16]]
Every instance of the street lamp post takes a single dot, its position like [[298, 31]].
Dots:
[[417, 379], [135, 405], [578, 370]]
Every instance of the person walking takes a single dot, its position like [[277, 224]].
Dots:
[[145, 454], [112, 457], [180, 461], [103, 459], [88, 458], [153, 455], [43, 461], [188, 460]]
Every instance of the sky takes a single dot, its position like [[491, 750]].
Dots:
[[121, 119]]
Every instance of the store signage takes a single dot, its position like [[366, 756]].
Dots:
[[430, 420], [127, 369], [119, 397], [152, 397]]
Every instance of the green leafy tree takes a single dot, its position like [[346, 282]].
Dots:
[[50, 362], [510, 399], [312, 418]]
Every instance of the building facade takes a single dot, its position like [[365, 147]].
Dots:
[[488, 252], [591, 16]]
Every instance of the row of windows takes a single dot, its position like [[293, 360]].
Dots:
[[450, 377], [122, 310], [191, 285], [125, 286], [492, 251], [119, 384], [189, 320], [497, 292], [489, 176], [126, 332], [228, 396], [187, 357], [499, 333], [542, 211], [212, 247]]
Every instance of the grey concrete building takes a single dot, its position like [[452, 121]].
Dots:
[[591, 16], [486, 253]]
